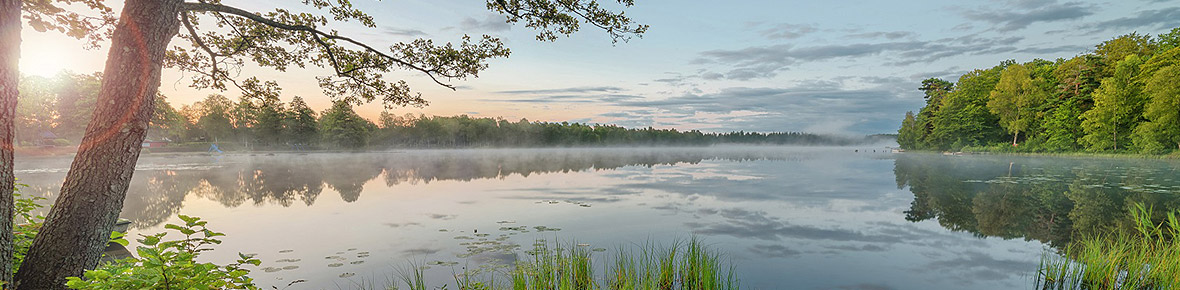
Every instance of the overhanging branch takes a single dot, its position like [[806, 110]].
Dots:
[[317, 34]]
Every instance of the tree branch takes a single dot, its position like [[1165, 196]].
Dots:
[[197, 40], [210, 7]]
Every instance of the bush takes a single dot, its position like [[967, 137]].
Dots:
[[171, 264], [61, 142], [24, 231]]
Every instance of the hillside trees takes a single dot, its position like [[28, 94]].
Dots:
[[1119, 98]]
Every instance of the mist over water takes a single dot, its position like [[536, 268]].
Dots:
[[809, 217]]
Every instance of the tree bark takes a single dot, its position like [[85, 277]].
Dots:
[[79, 224], [10, 23]]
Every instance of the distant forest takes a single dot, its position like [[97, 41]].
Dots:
[[55, 111], [1123, 97]]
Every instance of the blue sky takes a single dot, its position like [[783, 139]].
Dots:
[[848, 67]]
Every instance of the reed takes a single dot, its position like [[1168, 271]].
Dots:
[[687, 265], [1146, 258]]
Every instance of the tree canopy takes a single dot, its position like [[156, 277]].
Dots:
[[1118, 98]]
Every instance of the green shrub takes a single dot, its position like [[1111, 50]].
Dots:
[[25, 229], [171, 264]]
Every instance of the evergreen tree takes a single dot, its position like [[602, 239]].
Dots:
[[341, 126], [301, 124]]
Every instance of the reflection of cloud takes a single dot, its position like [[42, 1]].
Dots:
[[399, 225], [975, 266], [421, 251], [865, 286], [775, 251], [758, 225]]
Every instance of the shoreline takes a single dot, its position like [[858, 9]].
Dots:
[[1087, 155]]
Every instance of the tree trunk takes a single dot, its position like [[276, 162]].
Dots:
[[9, 80], [79, 224], [1014, 136]]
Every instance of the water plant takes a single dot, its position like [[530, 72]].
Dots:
[[1146, 258], [690, 265]]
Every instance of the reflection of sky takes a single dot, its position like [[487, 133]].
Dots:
[[788, 217]]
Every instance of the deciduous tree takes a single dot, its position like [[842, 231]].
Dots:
[[80, 221], [1118, 107], [1015, 100]]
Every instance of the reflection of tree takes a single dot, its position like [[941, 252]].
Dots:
[[1051, 201], [156, 195]]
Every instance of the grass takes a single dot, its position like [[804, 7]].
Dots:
[[687, 265], [1147, 258]]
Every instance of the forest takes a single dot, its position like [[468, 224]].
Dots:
[[63, 104], [1122, 97]]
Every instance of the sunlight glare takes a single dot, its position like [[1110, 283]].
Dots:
[[44, 62]]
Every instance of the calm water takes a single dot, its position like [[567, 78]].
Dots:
[[788, 217]]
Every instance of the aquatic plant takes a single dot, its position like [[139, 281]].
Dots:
[[1146, 258], [557, 266]]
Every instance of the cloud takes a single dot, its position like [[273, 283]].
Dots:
[[788, 31], [892, 35], [599, 89], [822, 106], [766, 61], [490, 23], [1026, 12], [397, 32], [1160, 18]]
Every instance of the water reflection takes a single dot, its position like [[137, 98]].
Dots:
[[818, 218], [162, 183], [1052, 200]]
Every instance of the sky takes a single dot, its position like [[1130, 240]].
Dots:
[[833, 67]]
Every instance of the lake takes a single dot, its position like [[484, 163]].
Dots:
[[786, 217]]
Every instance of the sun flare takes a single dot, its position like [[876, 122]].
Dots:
[[44, 62]]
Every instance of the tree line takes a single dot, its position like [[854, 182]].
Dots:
[[62, 105], [1122, 97]]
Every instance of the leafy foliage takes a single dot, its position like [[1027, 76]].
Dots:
[[1120, 98], [341, 126], [171, 264], [283, 38], [26, 228]]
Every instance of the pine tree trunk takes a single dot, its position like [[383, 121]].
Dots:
[[79, 224], [9, 80]]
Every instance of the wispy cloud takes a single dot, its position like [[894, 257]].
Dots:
[[1159, 18], [1019, 14], [768, 61]]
